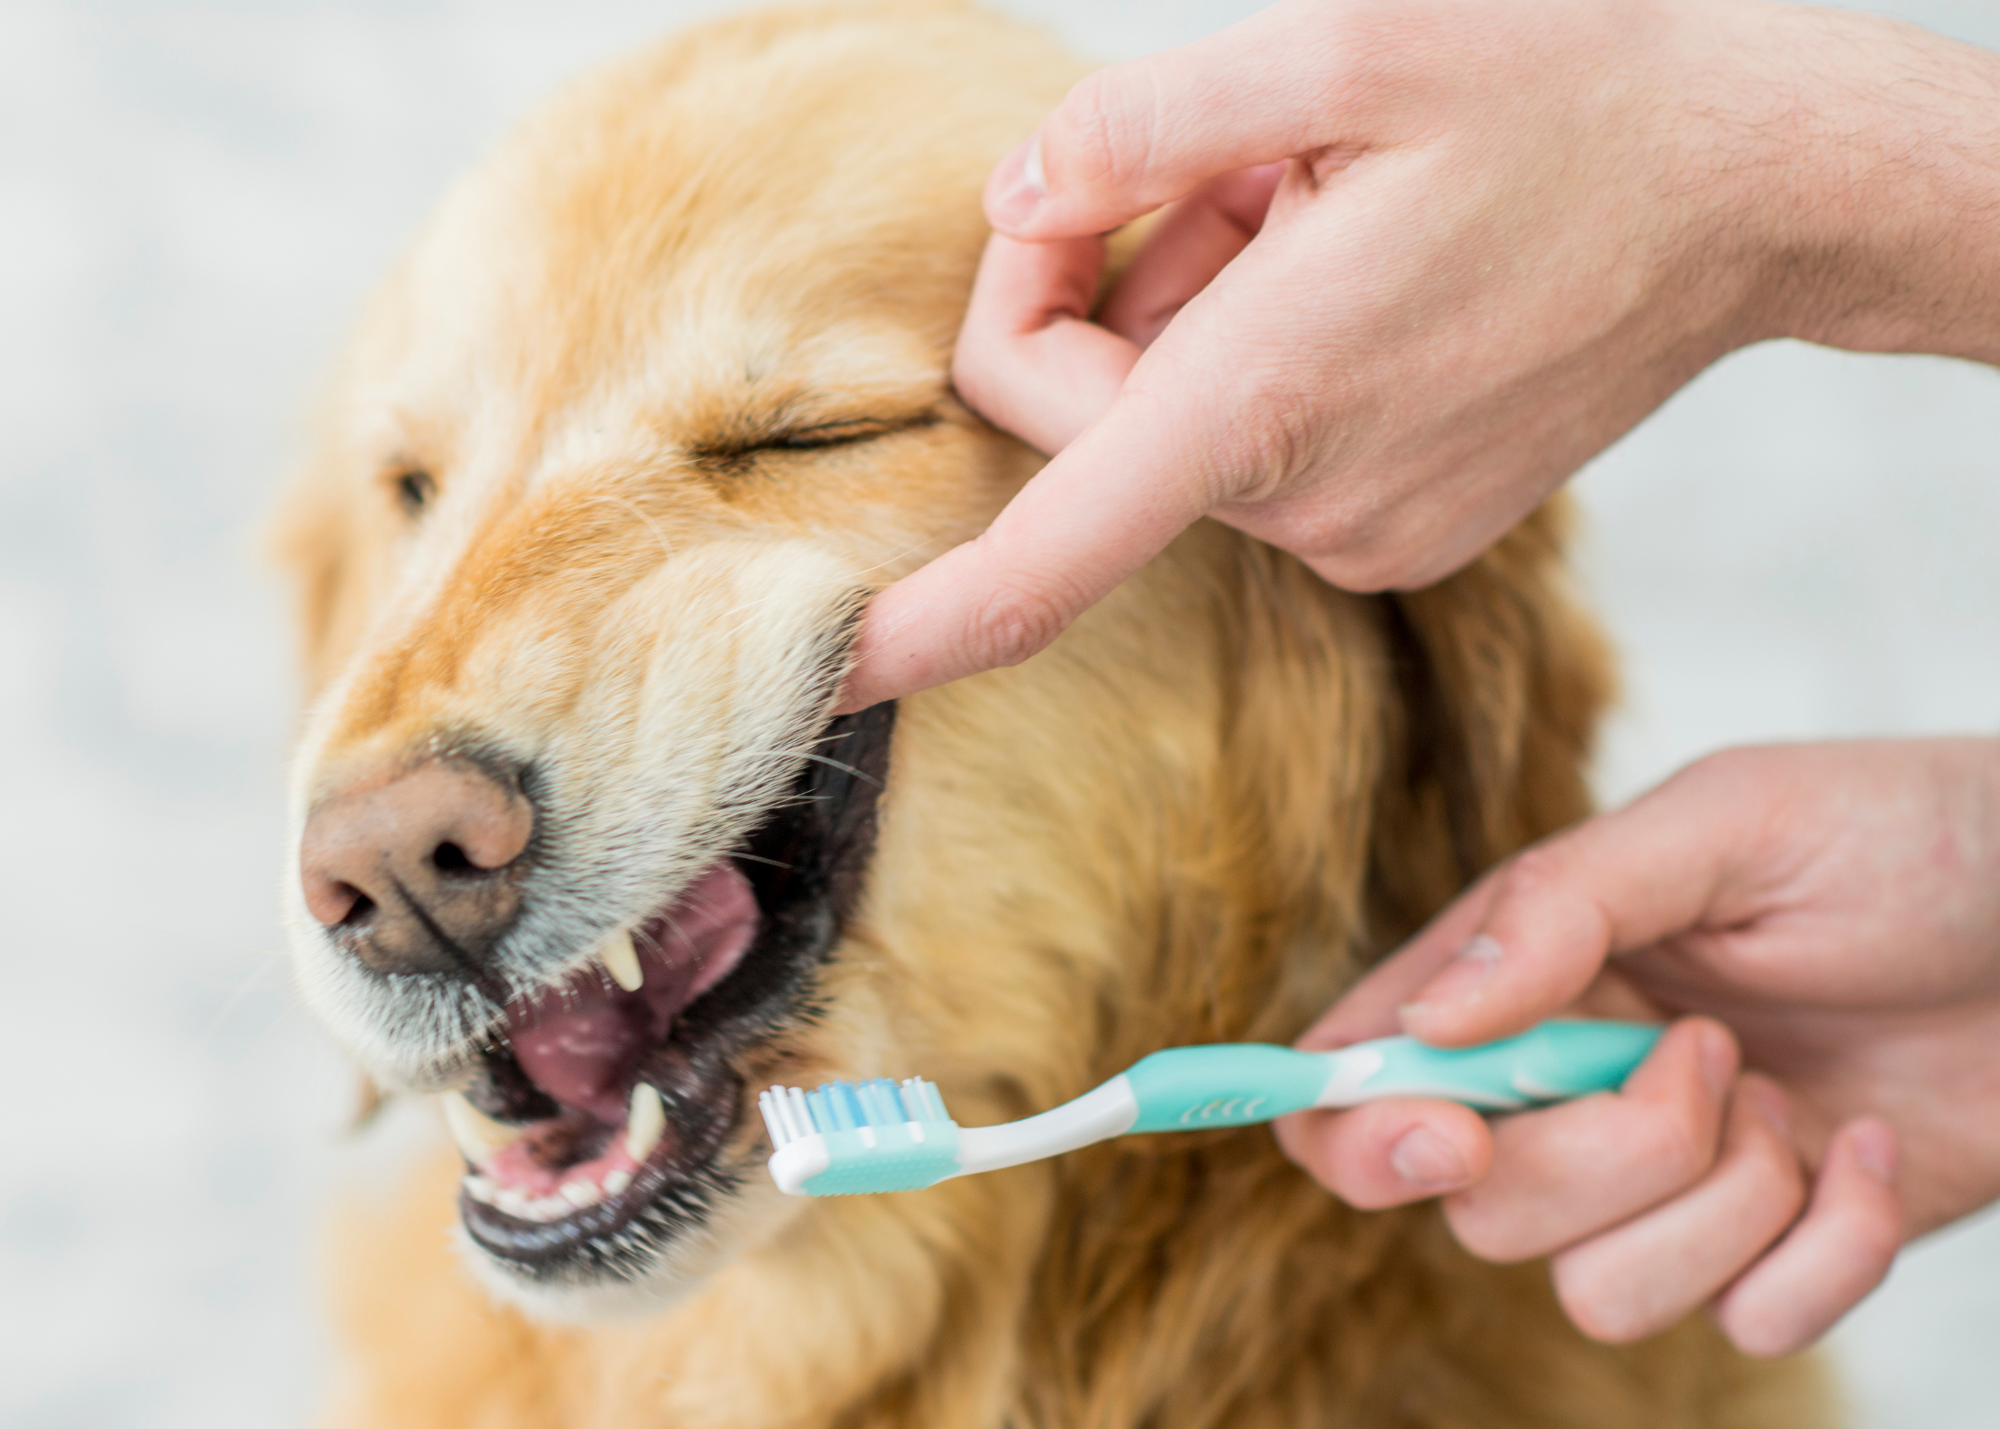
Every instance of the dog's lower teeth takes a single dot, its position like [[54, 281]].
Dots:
[[580, 1193], [616, 1182], [480, 1188], [645, 1122]]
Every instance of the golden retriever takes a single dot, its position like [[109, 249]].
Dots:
[[629, 436]]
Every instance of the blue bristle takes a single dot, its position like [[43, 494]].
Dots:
[[879, 1097], [848, 1106]]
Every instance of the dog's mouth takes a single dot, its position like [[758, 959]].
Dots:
[[594, 1127]]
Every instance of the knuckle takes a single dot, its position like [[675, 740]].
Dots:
[[1102, 132], [1486, 1237], [1013, 623], [1762, 1340], [1596, 1302], [1533, 869], [1675, 1142]]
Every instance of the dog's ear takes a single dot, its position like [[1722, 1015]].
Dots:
[[315, 537], [1501, 677]]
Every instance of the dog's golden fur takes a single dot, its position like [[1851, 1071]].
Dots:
[[1197, 817]]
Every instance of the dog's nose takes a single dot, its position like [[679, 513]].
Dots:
[[414, 872]]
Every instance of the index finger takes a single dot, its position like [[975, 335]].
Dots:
[[1109, 503], [1554, 913]]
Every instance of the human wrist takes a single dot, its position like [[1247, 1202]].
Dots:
[[1874, 196]]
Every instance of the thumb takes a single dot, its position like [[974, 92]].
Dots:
[[1132, 137], [1531, 937]]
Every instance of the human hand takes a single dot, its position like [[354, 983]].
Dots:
[[1838, 908], [1425, 258]]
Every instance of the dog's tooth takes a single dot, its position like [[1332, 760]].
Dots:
[[616, 1182], [477, 1134], [621, 960], [511, 1201], [581, 1193], [480, 1188], [646, 1120]]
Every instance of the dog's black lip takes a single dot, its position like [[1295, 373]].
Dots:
[[805, 866]]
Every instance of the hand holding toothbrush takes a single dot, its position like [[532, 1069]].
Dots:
[[1833, 911]]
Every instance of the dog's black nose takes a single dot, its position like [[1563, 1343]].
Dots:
[[416, 871]]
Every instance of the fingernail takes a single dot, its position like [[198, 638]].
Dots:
[[1019, 185], [1875, 1150], [1427, 1161], [1465, 975], [1718, 1061]]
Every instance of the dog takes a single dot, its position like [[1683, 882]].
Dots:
[[655, 402]]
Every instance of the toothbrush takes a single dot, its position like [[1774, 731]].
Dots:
[[859, 1138]]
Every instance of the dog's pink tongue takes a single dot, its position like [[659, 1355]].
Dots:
[[581, 1044]]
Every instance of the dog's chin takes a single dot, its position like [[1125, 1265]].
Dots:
[[599, 1122], [676, 1271]]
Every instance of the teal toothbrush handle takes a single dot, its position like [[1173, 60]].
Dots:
[[1554, 1062], [1235, 1084]]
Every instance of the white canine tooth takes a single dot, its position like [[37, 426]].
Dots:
[[621, 960], [645, 1121], [616, 1182], [511, 1201], [477, 1135], [580, 1193], [480, 1188], [550, 1208]]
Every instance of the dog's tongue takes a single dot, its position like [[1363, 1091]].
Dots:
[[582, 1043]]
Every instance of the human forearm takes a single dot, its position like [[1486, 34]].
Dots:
[[1883, 158]]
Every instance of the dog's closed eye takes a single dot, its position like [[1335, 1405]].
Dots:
[[414, 491], [829, 434], [816, 436]]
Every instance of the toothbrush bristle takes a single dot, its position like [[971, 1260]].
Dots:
[[849, 1106], [790, 1113]]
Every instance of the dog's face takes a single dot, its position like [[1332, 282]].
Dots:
[[654, 403]]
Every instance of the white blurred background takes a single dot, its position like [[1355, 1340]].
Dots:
[[194, 198]]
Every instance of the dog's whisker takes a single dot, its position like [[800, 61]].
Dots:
[[825, 759], [613, 498], [891, 560]]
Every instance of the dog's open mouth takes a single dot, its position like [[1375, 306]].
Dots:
[[592, 1133]]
